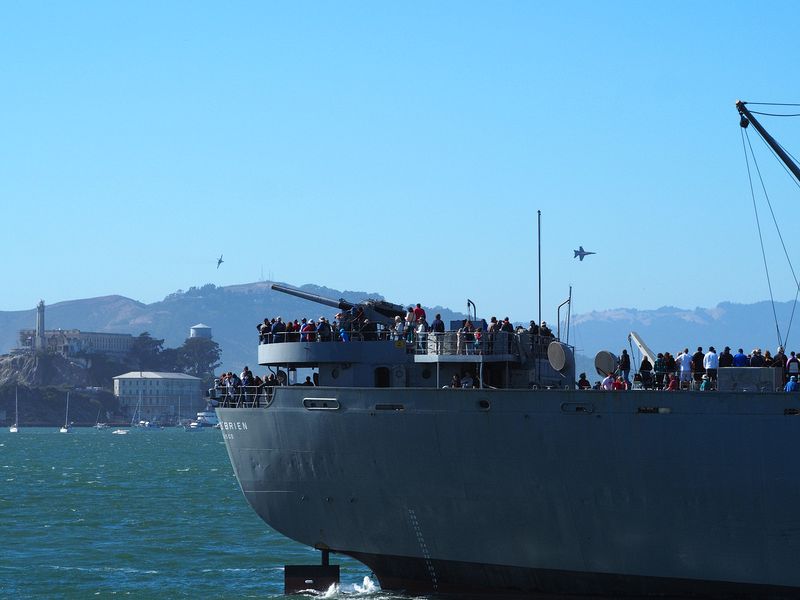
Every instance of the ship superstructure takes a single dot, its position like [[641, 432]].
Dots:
[[522, 484], [519, 485]]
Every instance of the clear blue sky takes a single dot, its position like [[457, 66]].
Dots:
[[402, 148]]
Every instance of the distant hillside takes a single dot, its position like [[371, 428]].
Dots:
[[233, 312], [669, 329], [111, 314]]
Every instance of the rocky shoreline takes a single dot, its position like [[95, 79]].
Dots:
[[44, 406]]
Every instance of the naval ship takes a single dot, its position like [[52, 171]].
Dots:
[[522, 485]]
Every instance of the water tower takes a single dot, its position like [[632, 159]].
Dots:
[[200, 331]]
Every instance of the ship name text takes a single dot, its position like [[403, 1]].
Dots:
[[228, 427]]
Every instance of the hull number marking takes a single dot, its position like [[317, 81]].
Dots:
[[229, 427]]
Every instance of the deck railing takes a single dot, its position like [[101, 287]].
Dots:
[[242, 396], [438, 343]]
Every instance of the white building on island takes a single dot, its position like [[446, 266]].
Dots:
[[73, 343], [162, 397]]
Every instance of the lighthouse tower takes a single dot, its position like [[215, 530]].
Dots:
[[40, 343]]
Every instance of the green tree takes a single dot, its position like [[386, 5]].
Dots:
[[103, 369], [168, 360], [198, 356], [144, 354]]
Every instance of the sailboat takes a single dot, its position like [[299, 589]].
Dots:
[[142, 423], [136, 410], [178, 420], [66, 427], [98, 424], [15, 427]]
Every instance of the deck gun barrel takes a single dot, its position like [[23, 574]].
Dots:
[[378, 311], [341, 304]]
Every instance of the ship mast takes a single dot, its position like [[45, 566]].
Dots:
[[747, 118]]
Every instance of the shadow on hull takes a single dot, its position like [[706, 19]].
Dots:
[[465, 580]]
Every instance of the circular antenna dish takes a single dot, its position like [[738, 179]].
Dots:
[[605, 362], [560, 356]]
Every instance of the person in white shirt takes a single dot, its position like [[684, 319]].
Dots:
[[608, 382], [684, 362], [399, 327], [711, 364]]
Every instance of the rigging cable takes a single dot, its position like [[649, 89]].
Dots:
[[781, 163], [778, 158], [777, 227], [760, 236], [755, 112], [794, 179]]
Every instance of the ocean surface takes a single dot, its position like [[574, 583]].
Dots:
[[155, 513]]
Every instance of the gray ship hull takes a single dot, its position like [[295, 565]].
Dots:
[[517, 492]]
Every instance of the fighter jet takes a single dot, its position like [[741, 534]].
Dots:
[[220, 261], [580, 252]]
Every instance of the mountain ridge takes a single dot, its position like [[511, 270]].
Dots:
[[233, 312]]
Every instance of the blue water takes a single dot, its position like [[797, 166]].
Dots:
[[155, 513]]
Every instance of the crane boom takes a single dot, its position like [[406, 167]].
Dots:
[[747, 118], [643, 348]]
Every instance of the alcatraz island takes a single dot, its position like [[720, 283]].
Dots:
[[111, 377]]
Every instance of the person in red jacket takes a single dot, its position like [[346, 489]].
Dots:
[[419, 313], [673, 383]]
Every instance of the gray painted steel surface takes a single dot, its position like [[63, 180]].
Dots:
[[524, 485], [703, 487]]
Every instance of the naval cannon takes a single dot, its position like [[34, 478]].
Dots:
[[376, 311]]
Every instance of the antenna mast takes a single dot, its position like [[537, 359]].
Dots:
[[539, 213]]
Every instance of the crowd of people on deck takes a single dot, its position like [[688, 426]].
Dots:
[[495, 336], [471, 338], [670, 372], [249, 387], [698, 370], [307, 330], [346, 325]]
